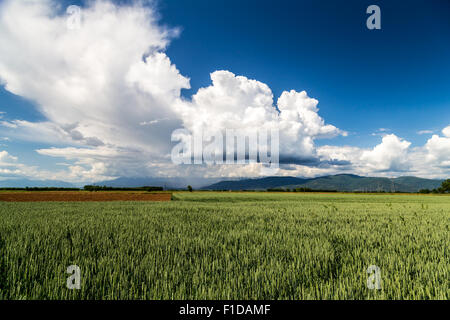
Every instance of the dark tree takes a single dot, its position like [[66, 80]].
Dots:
[[189, 188], [446, 185]]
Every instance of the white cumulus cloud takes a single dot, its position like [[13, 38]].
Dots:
[[389, 155]]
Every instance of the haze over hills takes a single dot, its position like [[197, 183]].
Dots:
[[22, 183], [342, 182], [166, 183]]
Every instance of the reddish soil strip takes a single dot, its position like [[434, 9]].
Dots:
[[82, 196]]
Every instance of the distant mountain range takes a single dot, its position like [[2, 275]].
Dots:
[[341, 182], [22, 183], [257, 184], [166, 183]]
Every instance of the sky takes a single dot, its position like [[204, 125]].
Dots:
[[101, 101]]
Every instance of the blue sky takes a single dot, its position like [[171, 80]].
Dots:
[[396, 78]]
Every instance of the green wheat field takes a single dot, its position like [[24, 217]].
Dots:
[[206, 245]]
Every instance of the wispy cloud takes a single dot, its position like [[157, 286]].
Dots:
[[381, 132], [422, 132], [152, 122], [8, 124]]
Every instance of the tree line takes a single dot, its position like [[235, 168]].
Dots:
[[444, 188]]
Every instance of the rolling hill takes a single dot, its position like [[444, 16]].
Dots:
[[341, 182], [256, 184]]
